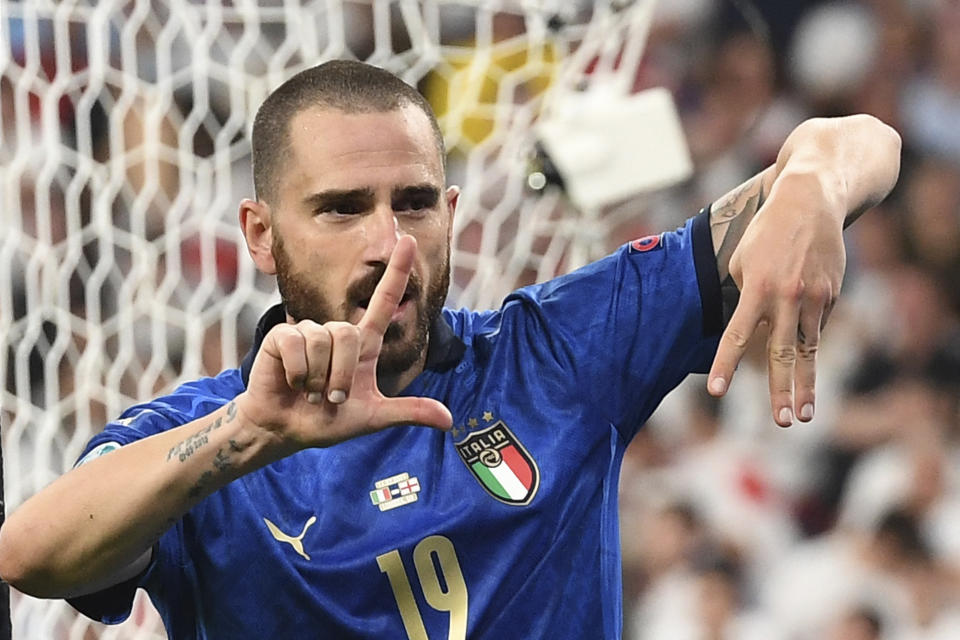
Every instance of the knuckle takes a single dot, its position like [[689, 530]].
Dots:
[[289, 338], [808, 351], [792, 290], [307, 327], [765, 286], [783, 354], [736, 337], [817, 294], [824, 296], [317, 335], [342, 332]]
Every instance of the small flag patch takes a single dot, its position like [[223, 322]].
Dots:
[[395, 491]]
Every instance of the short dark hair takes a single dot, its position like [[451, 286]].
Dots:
[[346, 85]]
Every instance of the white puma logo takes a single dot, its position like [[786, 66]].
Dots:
[[296, 543]]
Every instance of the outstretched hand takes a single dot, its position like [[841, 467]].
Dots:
[[315, 385], [788, 266]]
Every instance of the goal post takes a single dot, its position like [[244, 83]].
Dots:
[[124, 150]]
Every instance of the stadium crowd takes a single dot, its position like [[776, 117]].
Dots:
[[848, 527]]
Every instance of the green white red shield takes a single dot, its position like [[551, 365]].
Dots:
[[501, 464]]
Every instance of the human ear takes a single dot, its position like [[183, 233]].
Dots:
[[255, 222], [453, 196]]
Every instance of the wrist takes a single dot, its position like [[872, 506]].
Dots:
[[266, 440], [819, 191]]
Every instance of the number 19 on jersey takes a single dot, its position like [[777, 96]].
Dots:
[[441, 580]]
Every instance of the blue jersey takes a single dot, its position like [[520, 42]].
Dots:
[[504, 527]]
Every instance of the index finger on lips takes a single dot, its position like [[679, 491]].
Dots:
[[386, 297], [733, 344]]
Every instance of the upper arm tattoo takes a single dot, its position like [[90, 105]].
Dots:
[[729, 218]]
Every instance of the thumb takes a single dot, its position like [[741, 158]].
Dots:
[[404, 411]]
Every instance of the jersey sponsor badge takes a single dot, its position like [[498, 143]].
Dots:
[[501, 464], [644, 244], [395, 491], [97, 451]]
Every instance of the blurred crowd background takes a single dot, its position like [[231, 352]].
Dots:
[[847, 528]]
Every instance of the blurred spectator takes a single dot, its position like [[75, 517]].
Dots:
[[931, 100], [859, 624], [819, 580]]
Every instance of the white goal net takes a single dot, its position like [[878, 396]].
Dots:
[[124, 152]]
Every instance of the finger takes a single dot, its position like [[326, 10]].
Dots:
[[386, 297], [317, 346], [733, 344], [286, 344], [827, 310], [343, 360], [427, 412], [782, 360], [808, 342]]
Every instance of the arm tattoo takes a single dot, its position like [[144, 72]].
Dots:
[[223, 459], [729, 218], [201, 485], [192, 443], [222, 463]]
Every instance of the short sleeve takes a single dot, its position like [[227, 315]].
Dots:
[[631, 326], [187, 403]]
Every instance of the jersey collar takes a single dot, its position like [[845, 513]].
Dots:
[[443, 352]]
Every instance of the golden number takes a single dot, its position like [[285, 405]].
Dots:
[[391, 564], [452, 599]]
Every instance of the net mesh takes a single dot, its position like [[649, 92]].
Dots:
[[124, 146]]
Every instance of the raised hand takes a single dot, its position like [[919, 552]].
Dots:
[[789, 266], [788, 259], [315, 385]]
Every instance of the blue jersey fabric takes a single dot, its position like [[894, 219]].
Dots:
[[560, 378]]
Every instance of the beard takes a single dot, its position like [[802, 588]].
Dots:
[[303, 300]]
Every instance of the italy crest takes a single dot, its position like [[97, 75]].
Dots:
[[501, 464]]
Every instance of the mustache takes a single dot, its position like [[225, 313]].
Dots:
[[362, 290]]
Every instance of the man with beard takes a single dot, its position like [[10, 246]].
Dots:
[[248, 506]]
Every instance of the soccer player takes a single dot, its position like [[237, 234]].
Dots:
[[300, 496]]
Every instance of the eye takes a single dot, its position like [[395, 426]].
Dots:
[[418, 205], [341, 209]]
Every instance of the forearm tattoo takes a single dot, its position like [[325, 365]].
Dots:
[[729, 218], [223, 460], [193, 443]]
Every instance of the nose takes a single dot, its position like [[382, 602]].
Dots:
[[381, 231]]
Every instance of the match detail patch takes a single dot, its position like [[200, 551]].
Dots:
[[395, 491]]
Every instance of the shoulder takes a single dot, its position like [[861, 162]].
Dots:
[[187, 402]]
